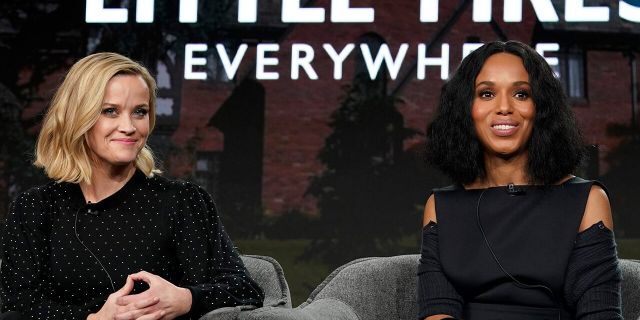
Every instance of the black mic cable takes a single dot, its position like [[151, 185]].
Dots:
[[495, 258], [75, 231]]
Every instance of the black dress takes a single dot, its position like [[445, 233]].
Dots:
[[543, 269], [61, 257]]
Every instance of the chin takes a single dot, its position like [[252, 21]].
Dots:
[[123, 161]]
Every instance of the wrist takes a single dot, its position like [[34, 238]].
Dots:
[[186, 300]]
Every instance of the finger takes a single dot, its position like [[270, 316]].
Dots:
[[153, 316], [142, 275], [128, 286], [146, 302], [132, 298], [135, 314]]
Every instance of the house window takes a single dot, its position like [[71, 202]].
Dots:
[[207, 170], [571, 72]]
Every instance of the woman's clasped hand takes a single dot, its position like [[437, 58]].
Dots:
[[162, 300]]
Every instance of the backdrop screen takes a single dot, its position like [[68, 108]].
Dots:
[[306, 119]]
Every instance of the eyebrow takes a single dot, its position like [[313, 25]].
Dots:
[[142, 105], [491, 83]]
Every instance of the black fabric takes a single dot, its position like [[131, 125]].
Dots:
[[436, 295], [510, 312], [593, 277], [11, 315], [168, 228], [534, 235]]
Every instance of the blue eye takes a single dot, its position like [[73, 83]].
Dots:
[[141, 112], [110, 111]]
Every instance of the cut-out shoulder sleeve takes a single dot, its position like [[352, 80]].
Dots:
[[593, 277], [436, 295]]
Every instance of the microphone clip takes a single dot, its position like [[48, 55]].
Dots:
[[514, 190]]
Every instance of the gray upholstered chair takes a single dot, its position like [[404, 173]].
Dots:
[[268, 273], [385, 288]]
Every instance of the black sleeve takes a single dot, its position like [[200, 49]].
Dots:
[[593, 278], [211, 266], [436, 295], [25, 252]]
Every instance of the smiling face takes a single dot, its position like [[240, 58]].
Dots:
[[123, 126], [503, 111]]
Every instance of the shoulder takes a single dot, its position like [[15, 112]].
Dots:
[[180, 191], [173, 186], [30, 204], [39, 194], [598, 208], [429, 210], [430, 207]]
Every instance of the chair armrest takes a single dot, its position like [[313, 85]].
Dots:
[[321, 309], [630, 288]]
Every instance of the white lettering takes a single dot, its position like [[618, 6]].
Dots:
[[424, 61], [190, 61], [188, 11], [298, 61], [144, 11], [231, 67], [575, 11], [429, 10], [541, 48], [247, 11], [292, 13], [629, 12], [373, 66], [338, 58], [96, 13], [543, 8], [262, 60], [467, 48], [482, 10], [342, 12]]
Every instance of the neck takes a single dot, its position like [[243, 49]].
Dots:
[[106, 181], [501, 171]]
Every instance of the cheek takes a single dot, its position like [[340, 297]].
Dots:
[[143, 127], [96, 134], [478, 116]]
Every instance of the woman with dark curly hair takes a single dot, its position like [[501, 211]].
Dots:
[[518, 236]]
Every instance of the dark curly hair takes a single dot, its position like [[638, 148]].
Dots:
[[555, 148]]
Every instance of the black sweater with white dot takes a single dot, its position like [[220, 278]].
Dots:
[[62, 257]]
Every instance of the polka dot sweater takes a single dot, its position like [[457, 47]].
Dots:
[[61, 257]]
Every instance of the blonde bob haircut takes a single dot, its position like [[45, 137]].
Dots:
[[61, 149]]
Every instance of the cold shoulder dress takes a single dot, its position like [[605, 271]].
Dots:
[[496, 254]]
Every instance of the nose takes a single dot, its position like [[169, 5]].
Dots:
[[504, 104], [125, 125]]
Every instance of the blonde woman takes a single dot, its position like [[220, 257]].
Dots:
[[108, 238]]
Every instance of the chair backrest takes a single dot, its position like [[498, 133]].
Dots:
[[268, 273], [630, 289], [375, 288], [385, 288]]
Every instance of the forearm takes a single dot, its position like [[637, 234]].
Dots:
[[41, 308], [225, 291]]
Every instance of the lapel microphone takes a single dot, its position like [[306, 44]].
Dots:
[[514, 190], [90, 211]]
